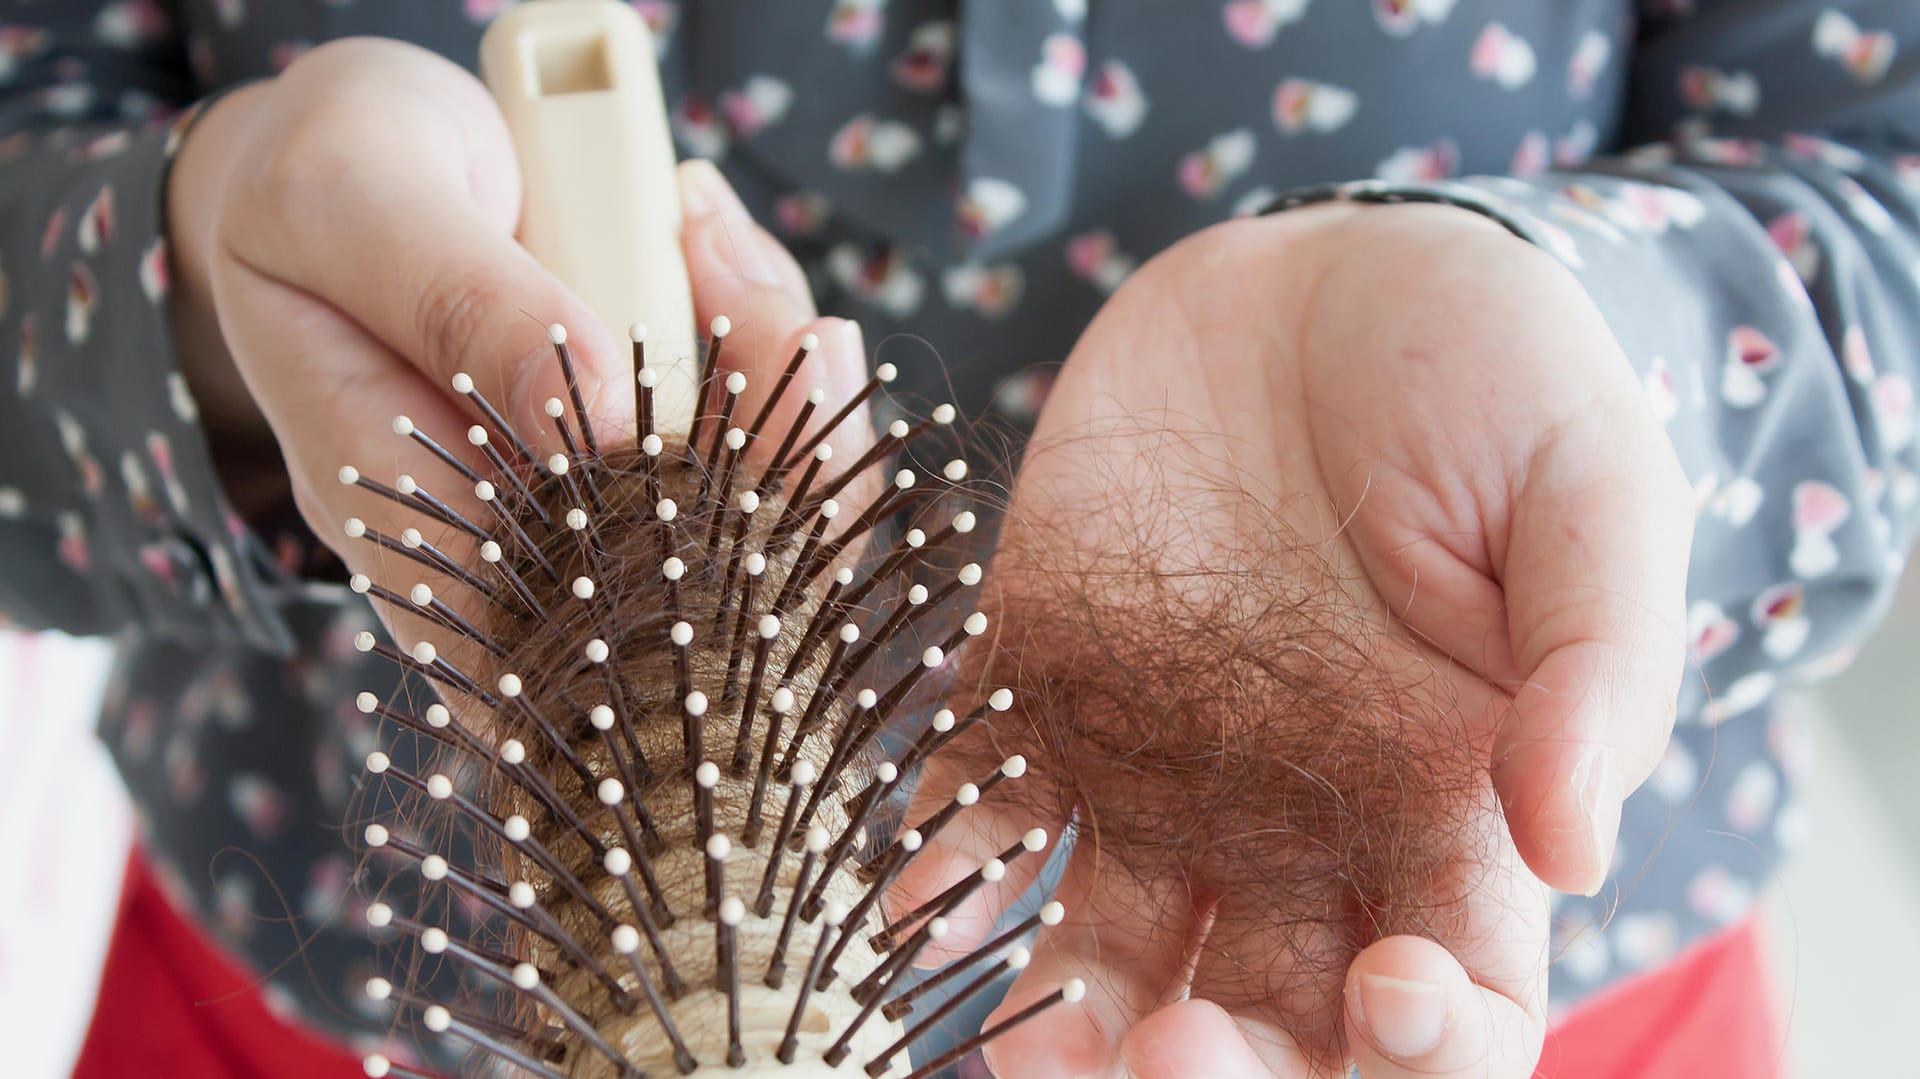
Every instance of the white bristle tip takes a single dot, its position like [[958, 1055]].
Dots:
[[932, 657], [583, 587], [916, 538], [379, 915], [718, 847], [736, 438], [577, 519], [755, 563], [405, 484], [817, 839], [809, 342], [652, 446], [736, 382], [379, 988], [673, 569], [477, 435], [411, 539], [361, 585], [943, 414], [681, 634], [601, 717], [421, 595], [911, 840], [1053, 913], [554, 408], [749, 501], [937, 928], [436, 1019], [597, 651], [1018, 959], [867, 698], [521, 895], [970, 574], [667, 510], [1014, 767], [490, 552], [366, 703], [438, 716], [816, 397], [803, 773], [769, 627], [843, 576], [648, 378], [943, 720], [378, 762], [849, 633], [707, 775], [510, 685], [402, 425], [376, 835], [899, 428], [829, 509], [781, 701], [376, 1066], [823, 452], [968, 794], [513, 751], [484, 491], [905, 479], [626, 940], [1074, 991], [637, 332], [617, 862], [886, 372], [611, 792], [732, 911], [557, 334], [433, 941], [355, 528], [434, 867], [462, 382], [557, 464], [526, 976], [439, 788], [349, 475], [888, 772], [1035, 840], [964, 522], [1001, 699], [955, 470], [720, 326], [976, 624], [836, 912], [917, 595], [994, 871]]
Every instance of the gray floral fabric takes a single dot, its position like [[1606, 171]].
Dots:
[[1737, 183]]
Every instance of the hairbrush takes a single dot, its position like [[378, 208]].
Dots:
[[670, 714]]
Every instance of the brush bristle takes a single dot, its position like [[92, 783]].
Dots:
[[665, 694]]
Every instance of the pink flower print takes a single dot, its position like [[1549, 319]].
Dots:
[[138, 730], [1403, 17], [1503, 57], [1531, 158], [96, 222], [126, 24], [763, 100], [1750, 355], [1793, 235], [924, 66], [139, 491], [1662, 396], [156, 277], [1096, 257], [1710, 632], [258, 804], [1254, 23], [1206, 171], [1677, 776], [1063, 63], [1576, 146], [1893, 408], [1750, 802], [1708, 89], [160, 452], [855, 23], [484, 10], [1114, 100], [73, 438], [286, 52], [327, 884], [1644, 941], [881, 145], [661, 17], [1866, 55], [1589, 59], [83, 295], [18, 43], [1819, 509], [1420, 164], [233, 906], [699, 129], [1780, 613], [28, 370], [1739, 697], [1718, 896], [230, 12], [180, 398], [801, 213], [1855, 354], [882, 278], [50, 238], [185, 779], [1737, 502], [1020, 396], [1863, 206], [159, 563], [1300, 105], [990, 291], [988, 206], [1826, 151], [1907, 168]]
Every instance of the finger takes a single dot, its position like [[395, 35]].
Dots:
[[1413, 1011], [402, 236], [1127, 941], [1595, 580], [1199, 1038]]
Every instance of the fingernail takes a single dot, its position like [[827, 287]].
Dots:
[[1596, 779], [734, 241], [1405, 1019]]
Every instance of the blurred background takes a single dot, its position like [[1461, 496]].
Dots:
[[1842, 915]]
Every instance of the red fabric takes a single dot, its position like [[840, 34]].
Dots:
[[1709, 1012], [172, 1007]]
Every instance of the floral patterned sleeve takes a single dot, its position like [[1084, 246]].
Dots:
[[110, 512], [1759, 260]]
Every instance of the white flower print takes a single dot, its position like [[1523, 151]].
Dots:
[[1502, 56]]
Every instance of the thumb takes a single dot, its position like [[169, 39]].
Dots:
[[1595, 583]]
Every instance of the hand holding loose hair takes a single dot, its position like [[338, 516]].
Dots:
[[1342, 591]]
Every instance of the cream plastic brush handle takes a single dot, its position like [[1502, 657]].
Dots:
[[577, 83]]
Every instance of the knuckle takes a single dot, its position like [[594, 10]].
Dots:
[[454, 307]]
